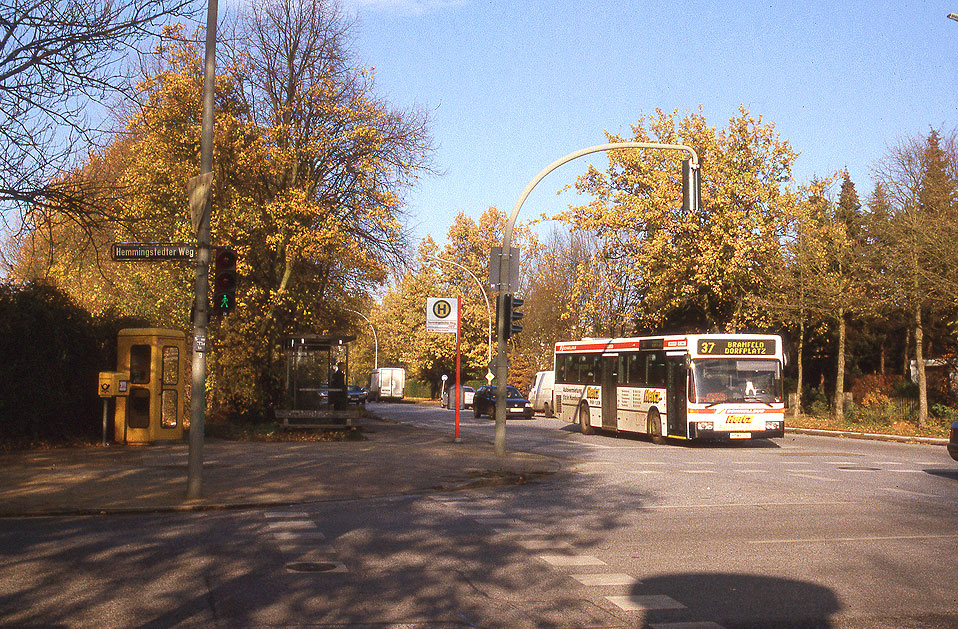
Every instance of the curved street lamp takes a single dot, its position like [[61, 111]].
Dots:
[[505, 261], [484, 295]]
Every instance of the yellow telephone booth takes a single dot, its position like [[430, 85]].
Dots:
[[153, 409]]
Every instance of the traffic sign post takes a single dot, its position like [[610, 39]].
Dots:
[[443, 315]]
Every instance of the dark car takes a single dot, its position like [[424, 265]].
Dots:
[[484, 402], [953, 441], [355, 395]]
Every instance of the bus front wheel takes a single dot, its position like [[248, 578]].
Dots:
[[655, 427], [584, 426]]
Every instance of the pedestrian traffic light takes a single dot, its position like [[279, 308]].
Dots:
[[511, 305], [224, 281]]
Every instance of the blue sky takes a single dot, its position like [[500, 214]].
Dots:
[[512, 86]]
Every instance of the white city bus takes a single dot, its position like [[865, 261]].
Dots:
[[696, 386]]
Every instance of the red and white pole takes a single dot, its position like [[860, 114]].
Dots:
[[458, 357]]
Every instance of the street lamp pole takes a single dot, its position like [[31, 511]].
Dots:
[[375, 339], [484, 295]]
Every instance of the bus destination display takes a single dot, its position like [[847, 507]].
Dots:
[[737, 347]]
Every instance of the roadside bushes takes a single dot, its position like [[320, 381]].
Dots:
[[50, 353]]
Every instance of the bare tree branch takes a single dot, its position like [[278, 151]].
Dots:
[[57, 58]]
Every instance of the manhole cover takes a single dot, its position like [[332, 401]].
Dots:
[[311, 566], [858, 468]]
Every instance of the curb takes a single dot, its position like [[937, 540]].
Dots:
[[937, 441]]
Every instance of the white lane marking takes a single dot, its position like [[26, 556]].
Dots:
[[867, 538], [291, 525], [605, 579], [686, 625], [906, 491], [543, 544], [283, 515], [480, 512], [645, 602], [299, 535], [445, 499], [572, 560], [813, 477]]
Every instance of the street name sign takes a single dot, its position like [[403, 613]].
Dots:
[[127, 251]]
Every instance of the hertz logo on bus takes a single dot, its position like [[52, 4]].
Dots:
[[652, 396], [738, 419], [592, 393]]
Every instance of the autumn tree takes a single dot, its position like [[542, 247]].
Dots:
[[691, 270], [307, 189]]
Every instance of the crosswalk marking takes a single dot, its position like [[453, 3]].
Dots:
[[572, 560], [645, 602], [605, 579]]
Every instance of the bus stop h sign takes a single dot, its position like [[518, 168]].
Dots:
[[441, 314]]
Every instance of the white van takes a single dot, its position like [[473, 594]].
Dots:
[[387, 383], [541, 393]]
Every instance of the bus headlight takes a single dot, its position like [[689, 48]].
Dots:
[[706, 425], [773, 425]]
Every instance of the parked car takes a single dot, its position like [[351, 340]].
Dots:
[[355, 395], [953, 441], [484, 402], [448, 398]]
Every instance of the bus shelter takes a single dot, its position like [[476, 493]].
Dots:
[[312, 382]]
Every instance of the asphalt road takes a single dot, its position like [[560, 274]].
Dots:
[[801, 531]]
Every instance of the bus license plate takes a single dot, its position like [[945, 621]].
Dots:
[[740, 435]]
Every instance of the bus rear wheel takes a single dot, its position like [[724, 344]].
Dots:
[[655, 427], [584, 426]]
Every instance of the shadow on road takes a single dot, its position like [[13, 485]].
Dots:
[[739, 600]]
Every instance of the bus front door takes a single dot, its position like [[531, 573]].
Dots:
[[677, 396], [610, 378]]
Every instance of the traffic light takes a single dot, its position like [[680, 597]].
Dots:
[[224, 281], [511, 305], [691, 186]]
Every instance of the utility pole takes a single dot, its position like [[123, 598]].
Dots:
[[201, 282]]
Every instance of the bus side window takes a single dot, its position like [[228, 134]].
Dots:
[[637, 369], [585, 370], [657, 370]]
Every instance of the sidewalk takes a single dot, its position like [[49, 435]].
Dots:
[[395, 459]]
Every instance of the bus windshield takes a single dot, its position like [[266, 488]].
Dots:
[[721, 380]]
